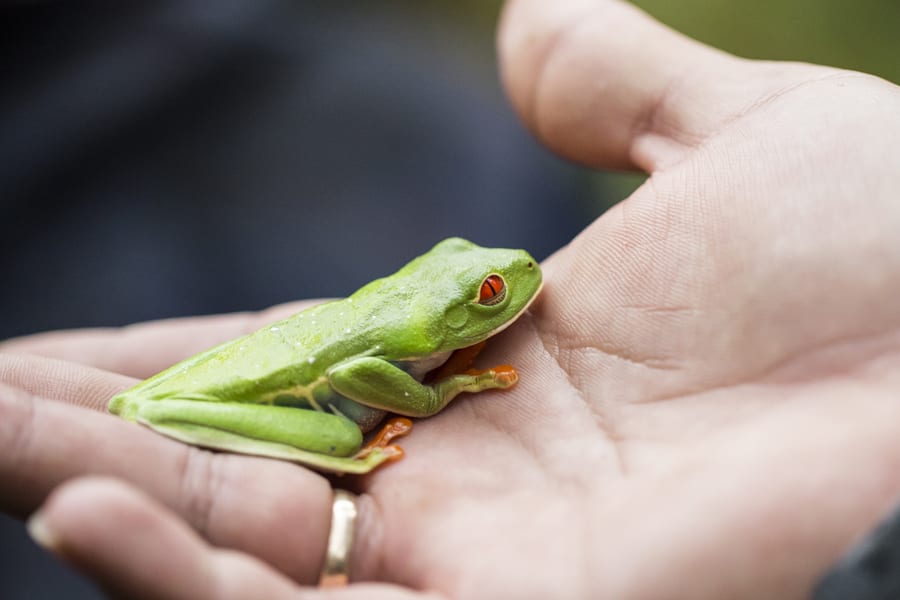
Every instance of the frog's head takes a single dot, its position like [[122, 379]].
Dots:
[[474, 292]]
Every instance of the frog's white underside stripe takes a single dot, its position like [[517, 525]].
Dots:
[[519, 314]]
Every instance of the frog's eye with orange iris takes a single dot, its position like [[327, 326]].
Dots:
[[493, 290]]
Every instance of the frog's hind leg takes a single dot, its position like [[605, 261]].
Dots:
[[321, 440]]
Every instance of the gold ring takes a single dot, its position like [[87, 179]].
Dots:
[[336, 571]]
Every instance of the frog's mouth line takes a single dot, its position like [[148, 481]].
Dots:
[[515, 318]]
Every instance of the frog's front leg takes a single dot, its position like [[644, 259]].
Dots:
[[322, 440], [381, 384]]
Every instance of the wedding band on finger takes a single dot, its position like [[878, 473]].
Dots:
[[336, 571]]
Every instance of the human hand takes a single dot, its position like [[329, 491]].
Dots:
[[707, 404]]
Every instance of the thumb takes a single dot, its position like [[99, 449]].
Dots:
[[602, 83]]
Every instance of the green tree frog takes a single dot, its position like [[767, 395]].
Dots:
[[307, 388]]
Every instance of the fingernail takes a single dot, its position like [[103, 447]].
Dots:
[[40, 532]]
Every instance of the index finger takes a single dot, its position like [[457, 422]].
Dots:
[[234, 501], [143, 349]]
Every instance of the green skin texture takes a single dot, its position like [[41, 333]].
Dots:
[[305, 389]]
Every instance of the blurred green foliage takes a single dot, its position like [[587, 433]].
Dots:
[[861, 35]]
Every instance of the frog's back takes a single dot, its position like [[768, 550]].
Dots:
[[294, 352]]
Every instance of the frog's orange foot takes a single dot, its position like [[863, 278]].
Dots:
[[393, 452], [504, 376], [394, 428]]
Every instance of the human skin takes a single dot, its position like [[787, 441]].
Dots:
[[709, 397]]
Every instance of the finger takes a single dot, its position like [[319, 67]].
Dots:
[[60, 380], [143, 349], [234, 501], [604, 84], [135, 548]]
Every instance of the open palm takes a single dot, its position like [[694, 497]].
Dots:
[[708, 398]]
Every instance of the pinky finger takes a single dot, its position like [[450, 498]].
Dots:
[[134, 547]]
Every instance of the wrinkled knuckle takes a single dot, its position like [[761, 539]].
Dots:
[[18, 414], [199, 487], [366, 555]]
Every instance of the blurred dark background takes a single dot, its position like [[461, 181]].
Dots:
[[179, 158], [173, 158]]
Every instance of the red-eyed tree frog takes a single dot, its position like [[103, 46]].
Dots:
[[307, 388]]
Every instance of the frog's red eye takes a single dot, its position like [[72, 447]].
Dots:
[[493, 290]]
